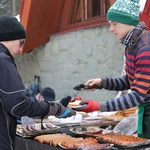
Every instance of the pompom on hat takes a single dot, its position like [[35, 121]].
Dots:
[[124, 11], [11, 29]]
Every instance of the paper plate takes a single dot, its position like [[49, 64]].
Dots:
[[73, 119]]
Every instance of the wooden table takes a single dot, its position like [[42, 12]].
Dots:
[[100, 123]]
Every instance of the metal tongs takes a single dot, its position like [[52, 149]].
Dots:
[[42, 126], [80, 87]]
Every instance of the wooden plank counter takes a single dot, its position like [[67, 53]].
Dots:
[[103, 123]]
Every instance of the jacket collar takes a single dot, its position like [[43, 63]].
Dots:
[[4, 49]]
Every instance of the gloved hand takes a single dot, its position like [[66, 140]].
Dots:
[[65, 101], [90, 106], [59, 111]]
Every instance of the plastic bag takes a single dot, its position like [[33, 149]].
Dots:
[[127, 125], [25, 120]]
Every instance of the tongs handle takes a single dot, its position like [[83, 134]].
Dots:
[[79, 87], [42, 126]]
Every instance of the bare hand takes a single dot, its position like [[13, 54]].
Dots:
[[94, 82]]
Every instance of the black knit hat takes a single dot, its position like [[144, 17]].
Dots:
[[48, 94], [11, 29]]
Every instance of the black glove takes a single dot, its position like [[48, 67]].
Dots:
[[59, 111], [65, 101]]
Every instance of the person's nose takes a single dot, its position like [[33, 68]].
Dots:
[[111, 29], [20, 50]]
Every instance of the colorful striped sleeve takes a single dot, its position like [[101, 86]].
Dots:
[[116, 84], [137, 78], [141, 82]]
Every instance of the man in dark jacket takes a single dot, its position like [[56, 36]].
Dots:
[[14, 101]]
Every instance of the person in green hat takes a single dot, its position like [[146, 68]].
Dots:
[[123, 17]]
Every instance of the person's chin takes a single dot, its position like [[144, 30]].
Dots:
[[118, 38]]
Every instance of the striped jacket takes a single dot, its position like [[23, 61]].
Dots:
[[137, 78]]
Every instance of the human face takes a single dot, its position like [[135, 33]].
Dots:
[[22, 42], [15, 46], [40, 97], [120, 30]]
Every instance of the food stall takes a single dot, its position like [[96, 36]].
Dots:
[[74, 134], [27, 140]]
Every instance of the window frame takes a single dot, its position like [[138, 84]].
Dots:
[[90, 22]]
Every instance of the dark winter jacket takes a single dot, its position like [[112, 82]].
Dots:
[[13, 100]]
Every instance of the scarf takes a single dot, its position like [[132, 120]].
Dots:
[[133, 35]]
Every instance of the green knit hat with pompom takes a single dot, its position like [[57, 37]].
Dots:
[[124, 11]]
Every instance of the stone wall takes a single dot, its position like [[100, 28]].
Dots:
[[72, 58]]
